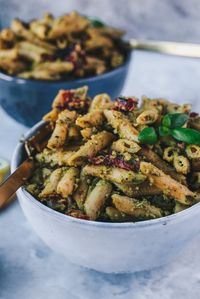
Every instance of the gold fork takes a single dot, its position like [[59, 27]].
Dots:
[[34, 144]]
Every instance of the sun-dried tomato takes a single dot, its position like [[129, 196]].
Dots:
[[118, 161], [126, 104]]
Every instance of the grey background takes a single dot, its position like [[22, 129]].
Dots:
[[155, 19]]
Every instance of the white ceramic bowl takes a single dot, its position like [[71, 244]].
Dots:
[[109, 247]]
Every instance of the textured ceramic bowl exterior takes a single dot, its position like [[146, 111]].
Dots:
[[28, 100], [109, 247]]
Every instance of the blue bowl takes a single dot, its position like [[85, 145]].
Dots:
[[28, 100]]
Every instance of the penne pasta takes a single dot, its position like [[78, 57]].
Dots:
[[167, 184], [59, 135], [125, 146], [96, 199], [121, 124], [63, 48], [101, 102], [91, 147], [91, 119], [68, 184], [82, 190], [154, 158], [114, 174], [52, 183], [140, 190], [135, 208]]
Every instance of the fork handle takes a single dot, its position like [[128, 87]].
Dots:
[[165, 47], [14, 181]]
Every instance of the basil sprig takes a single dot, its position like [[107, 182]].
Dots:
[[174, 120], [171, 125]]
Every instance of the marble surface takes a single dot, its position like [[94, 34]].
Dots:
[[28, 269]]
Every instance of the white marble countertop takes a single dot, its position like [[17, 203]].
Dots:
[[28, 269]]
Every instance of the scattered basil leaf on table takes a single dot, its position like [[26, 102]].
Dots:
[[186, 135], [148, 136]]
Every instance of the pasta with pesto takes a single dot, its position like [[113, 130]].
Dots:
[[116, 161]]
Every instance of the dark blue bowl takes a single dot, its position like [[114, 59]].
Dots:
[[28, 100]]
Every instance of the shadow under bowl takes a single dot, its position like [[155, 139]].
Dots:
[[108, 247], [28, 100]]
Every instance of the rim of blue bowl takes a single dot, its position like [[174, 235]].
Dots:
[[59, 216], [84, 81]]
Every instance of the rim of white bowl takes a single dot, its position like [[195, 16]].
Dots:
[[60, 216]]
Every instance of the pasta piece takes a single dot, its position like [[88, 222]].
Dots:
[[181, 164], [87, 133], [20, 30], [12, 67], [97, 40], [122, 125], [143, 189], [148, 104], [32, 51], [95, 65], [179, 207], [152, 157], [56, 67], [40, 29], [175, 108], [167, 184], [169, 153], [39, 75], [125, 146], [193, 151], [92, 119], [147, 117], [117, 216], [52, 182], [114, 174], [10, 54], [7, 35], [133, 207], [96, 199], [101, 102], [82, 190], [60, 132], [67, 184], [51, 116], [91, 147], [194, 123], [74, 133], [68, 24], [51, 157]]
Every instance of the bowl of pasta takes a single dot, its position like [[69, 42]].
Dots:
[[116, 187], [45, 55]]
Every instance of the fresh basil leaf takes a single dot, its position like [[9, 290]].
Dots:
[[96, 23], [166, 121], [148, 136], [175, 120], [164, 131], [186, 135]]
